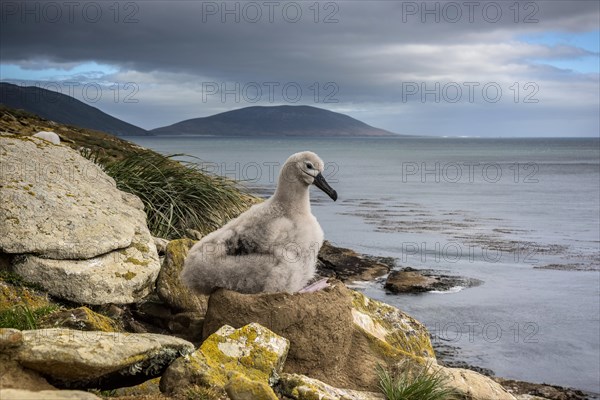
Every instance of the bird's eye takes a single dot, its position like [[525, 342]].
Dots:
[[309, 166]]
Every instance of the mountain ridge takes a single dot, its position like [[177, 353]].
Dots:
[[64, 109], [269, 121]]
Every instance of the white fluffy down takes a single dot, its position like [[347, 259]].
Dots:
[[49, 136], [272, 247]]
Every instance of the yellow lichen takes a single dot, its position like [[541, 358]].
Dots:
[[135, 261], [127, 275]]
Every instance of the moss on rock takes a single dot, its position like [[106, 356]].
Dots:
[[81, 318], [252, 351]]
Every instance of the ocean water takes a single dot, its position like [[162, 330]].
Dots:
[[521, 215]]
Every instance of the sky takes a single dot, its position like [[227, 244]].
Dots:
[[441, 68]]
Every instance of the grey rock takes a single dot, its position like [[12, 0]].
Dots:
[[80, 359], [121, 277], [57, 204]]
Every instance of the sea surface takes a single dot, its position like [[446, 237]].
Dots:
[[521, 215]]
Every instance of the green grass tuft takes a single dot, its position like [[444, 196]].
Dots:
[[411, 381], [24, 318], [177, 195]]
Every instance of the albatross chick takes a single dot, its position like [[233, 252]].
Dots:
[[273, 246]]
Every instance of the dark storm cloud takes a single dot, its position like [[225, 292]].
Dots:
[[368, 49]]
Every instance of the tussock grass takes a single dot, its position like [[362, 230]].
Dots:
[[178, 195], [23, 317], [411, 381]]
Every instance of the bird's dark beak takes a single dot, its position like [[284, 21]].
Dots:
[[322, 184]]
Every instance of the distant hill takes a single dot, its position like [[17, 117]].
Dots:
[[64, 109], [274, 121]]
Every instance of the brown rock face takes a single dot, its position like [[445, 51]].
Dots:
[[326, 342], [315, 323]]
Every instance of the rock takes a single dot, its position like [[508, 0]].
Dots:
[[252, 351], [79, 359], [522, 390], [122, 276], [473, 386], [187, 325], [49, 136], [347, 265], [20, 394], [300, 387], [240, 387], [57, 204], [13, 375], [10, 338], [169, 287], [410, 280], [387, 325], [336, 335], [81, 318]]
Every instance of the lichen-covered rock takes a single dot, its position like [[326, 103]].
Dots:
[[240, 387], [300, 387], [336, 335], [81, 318], [253, 351], [21, 394], [472, 385], [391, 326], [122, 276], [81, 359], [57, 204], [169, 287]]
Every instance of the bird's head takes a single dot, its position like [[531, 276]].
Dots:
[[306, 167]]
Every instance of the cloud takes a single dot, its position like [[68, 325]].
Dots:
[[341, 55]]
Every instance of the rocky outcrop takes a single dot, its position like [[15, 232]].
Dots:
[[78, 359], [410, 280], [335, 334], [251, 356], [347, 265], [75, 234]]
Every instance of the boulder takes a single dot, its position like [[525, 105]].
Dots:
[[79, 359], [472, 385], [57, 204], [347, 265], [336, 335], [81, 318], [169, 287], [254, 352], [21, 394], [300, 387], [122, 276]]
